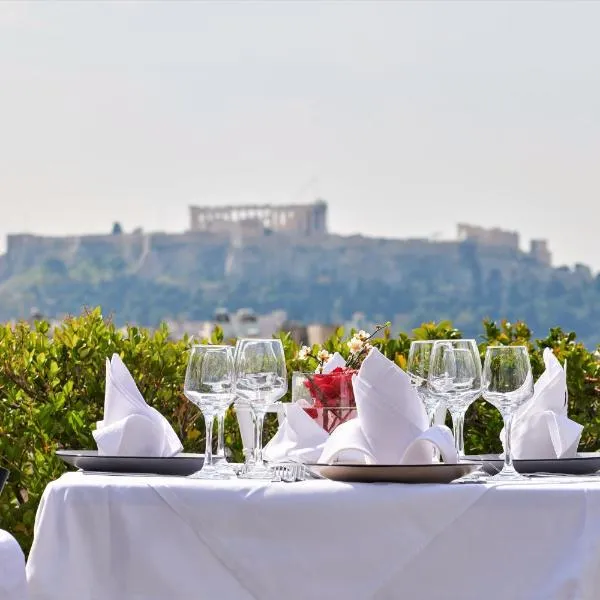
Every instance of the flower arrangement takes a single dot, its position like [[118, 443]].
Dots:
[[331, 392], [358, 346]]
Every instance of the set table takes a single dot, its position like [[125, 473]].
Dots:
[[13, 585], [105, 537]]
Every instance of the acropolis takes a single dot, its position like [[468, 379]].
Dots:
[[282, 234]]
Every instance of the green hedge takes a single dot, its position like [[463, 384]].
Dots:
[[52, 393]]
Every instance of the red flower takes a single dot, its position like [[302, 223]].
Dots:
[[333, 389], [312, 412], [333, 398]]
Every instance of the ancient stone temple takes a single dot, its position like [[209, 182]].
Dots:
[[303, 219]]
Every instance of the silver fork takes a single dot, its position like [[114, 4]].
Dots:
[[291, 471], [285, 472]]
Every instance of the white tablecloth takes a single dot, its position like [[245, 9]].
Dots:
[[13, 585], [102, 537]]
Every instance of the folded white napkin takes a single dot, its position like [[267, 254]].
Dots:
[[299, 437], [336, 361], [391, 426], [130, 426], [541, 428], [245, 419]]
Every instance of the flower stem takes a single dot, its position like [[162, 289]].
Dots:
[[354, 358]]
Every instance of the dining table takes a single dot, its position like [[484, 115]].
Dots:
[[101, 536], [13, 584]]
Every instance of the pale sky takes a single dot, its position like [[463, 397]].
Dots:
[[406, 117]]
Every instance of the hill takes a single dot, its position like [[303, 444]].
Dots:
[[145, 278]]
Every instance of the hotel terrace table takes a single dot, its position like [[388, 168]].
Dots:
[[103, 537], [13, 585]]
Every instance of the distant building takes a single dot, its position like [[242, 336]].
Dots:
[[583, 272], [305, 219], [539, 251], [318, 333], [501, 238], [488, 237], [243, 323]]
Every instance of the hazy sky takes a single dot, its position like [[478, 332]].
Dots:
[[406, 117]]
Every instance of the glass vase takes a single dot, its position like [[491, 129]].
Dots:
[[327, 398]]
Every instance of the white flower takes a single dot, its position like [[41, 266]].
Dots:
[[304, 352], [355, 345], [323, 356], [362, 335]]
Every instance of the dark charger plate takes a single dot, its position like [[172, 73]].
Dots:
[[584, 463], [3, 477], [89, 460]]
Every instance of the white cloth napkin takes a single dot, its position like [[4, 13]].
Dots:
[[391, 426], [299, 437], [541, 428], [335, 362], [130, 426]]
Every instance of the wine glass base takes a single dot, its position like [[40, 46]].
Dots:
[[507, 474], [255, 472], [225, 469], [208, 473]]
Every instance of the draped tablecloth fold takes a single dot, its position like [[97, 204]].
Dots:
[[100, 537]]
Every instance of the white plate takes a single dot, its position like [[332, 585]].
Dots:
[[434, 473]]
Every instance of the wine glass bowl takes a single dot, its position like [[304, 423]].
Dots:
[[417, 368]]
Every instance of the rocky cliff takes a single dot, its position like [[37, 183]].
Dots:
[[148, 277]]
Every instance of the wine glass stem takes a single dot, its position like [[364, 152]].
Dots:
[[508, 422], [458, 422], [258, 431], [220, 435], [208, 457], [431, 416]]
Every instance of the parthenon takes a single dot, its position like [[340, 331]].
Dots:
[[307, 219]]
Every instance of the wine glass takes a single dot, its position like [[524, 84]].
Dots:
[[507, 385], [209, 385], [455, 375], [417, 368], [260, 380]]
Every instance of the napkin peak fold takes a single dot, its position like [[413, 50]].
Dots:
[[130, 426], [541, 427]]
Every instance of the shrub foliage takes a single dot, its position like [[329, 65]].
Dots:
[[52, 392]]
